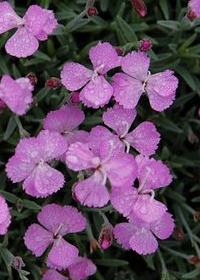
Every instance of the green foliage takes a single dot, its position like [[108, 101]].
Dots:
[[176, 45]]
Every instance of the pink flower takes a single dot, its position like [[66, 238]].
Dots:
[[57, 221], [119, 168], [79, 270], [141, 238], [144, 138], [65, 121], [5, 217], [145, 45], [36, 24], [128, 87], [30, 164], [17, 94], [140, 203], [194, 6], [96, 91]]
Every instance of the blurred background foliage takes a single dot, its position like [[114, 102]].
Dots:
[[176, 45]]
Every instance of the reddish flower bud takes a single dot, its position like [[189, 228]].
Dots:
[[178, 233], [53, 83], [106, 236], [196, 216], [145, 45], [18, 263], [2, 104], [139, 7], [119, 50], [33, 79], [194, 260], [191, 15], [199, 112], [74, 98], [92, 11]]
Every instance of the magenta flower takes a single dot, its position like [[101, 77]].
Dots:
[[144, 138], [194, 6], [106, 164], [96, 91], [36, 24], [140, 203], [142, 238], [30, 164], [79, 270], [5, 217], [17, 94], [65, 121], [136, 79], [57, 221]]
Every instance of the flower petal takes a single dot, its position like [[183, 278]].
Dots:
[[144, 138], [158, 173], [143, 242], [136, 64], [92, 192], [53, 216], [17, 94], [119, 119], [62, 254], [22, 44], [123, 233], [160, 103], [4, 210], [127, 90], [37, 239], [163, 83], [164, 227], [74, 75], [148, 209], [121, 169], [195, 7], [52, 274], [79, 157], [104, 56], [64, 119], [43, 181], [8, 18], [81, 269], [96, 93]]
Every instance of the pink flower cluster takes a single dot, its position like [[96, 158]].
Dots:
[[111, 159]]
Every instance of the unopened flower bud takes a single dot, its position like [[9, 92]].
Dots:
[[106, 236], [19, 205], [194, 260], [94, 245], [18, 263], [74, 98], [92, 11], [178, 233], [139, 7], [199, 112], [119, 50], [33, 79], [53, 83], [145, 45], [190, 15], [196, 216], [2, 104]]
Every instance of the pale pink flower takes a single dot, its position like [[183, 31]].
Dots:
[[36, 24], [5, 218], [137, 79], [119, 168], [95, 90], [57, 221], [30, 164], [17, 94], [139, 202], [144, 138], [65, 121], [194, 6], [141, 238]]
